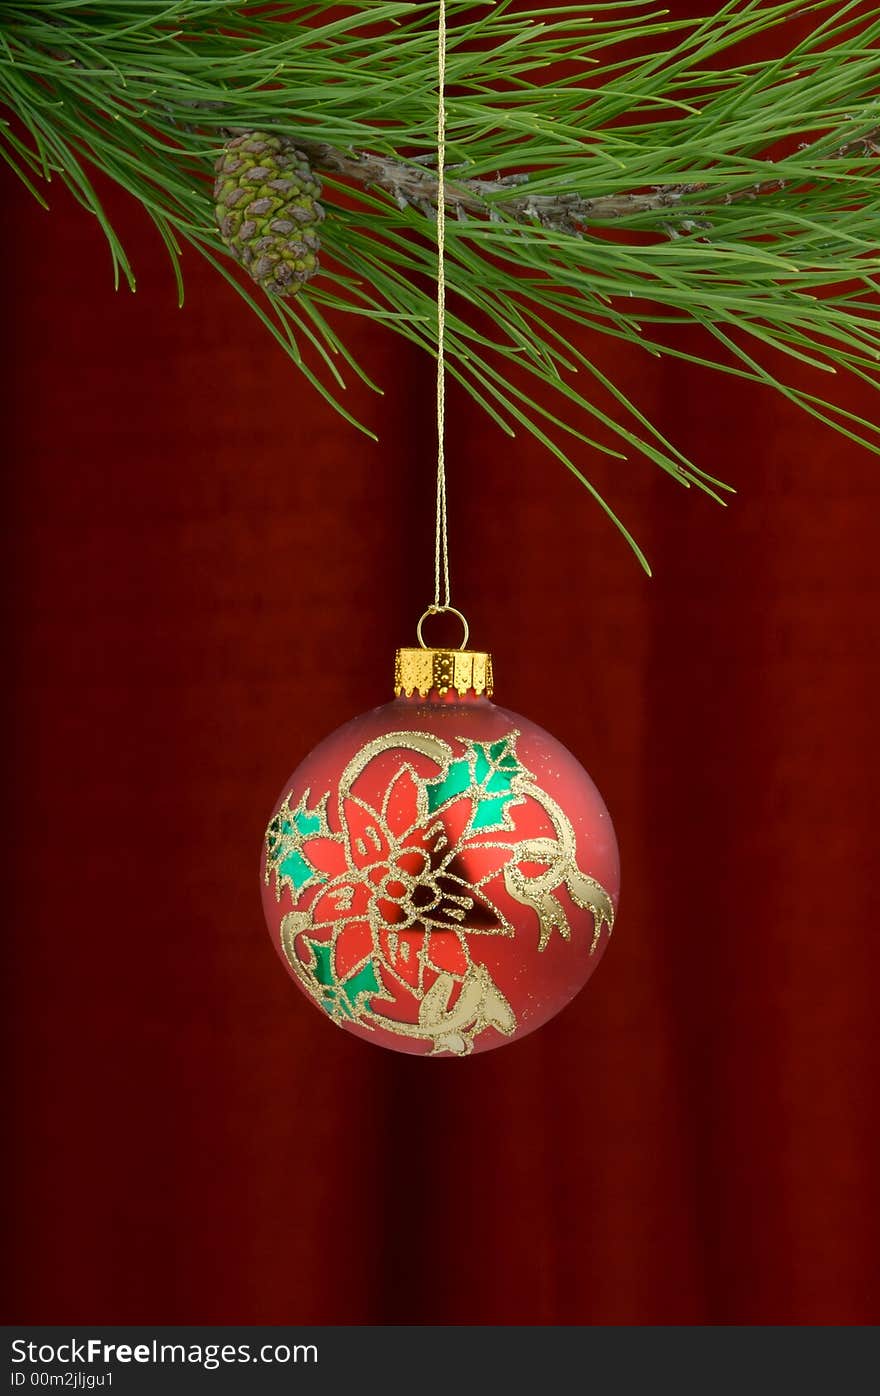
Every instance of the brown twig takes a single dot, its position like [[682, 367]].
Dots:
[[571, 213]]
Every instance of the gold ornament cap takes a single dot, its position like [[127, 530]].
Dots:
[[421, 670], [425, 670]]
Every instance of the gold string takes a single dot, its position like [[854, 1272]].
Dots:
[[441, 546]]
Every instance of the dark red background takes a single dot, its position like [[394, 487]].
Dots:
[[207, 571]]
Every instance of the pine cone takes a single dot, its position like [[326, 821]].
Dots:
[[268, 212]]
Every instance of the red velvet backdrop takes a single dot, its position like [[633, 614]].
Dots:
[[207, 571]]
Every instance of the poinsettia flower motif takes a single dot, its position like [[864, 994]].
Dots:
[[399, 898], [391, 897]]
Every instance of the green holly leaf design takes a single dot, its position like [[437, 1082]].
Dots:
[[487, 773], [285, 836], [456, 781], [342, 998]]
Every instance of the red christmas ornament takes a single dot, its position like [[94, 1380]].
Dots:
[[440, 876]]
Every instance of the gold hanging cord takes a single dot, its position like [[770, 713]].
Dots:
[[442, 593]]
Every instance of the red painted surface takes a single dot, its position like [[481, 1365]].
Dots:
[[207, 571]]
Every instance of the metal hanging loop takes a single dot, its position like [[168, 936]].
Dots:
[[439, 610]]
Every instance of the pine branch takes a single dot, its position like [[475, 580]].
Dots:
[[623, 116]]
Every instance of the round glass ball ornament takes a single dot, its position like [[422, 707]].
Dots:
[[440, 876]]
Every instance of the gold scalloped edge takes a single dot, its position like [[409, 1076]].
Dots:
[[423, 670]]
